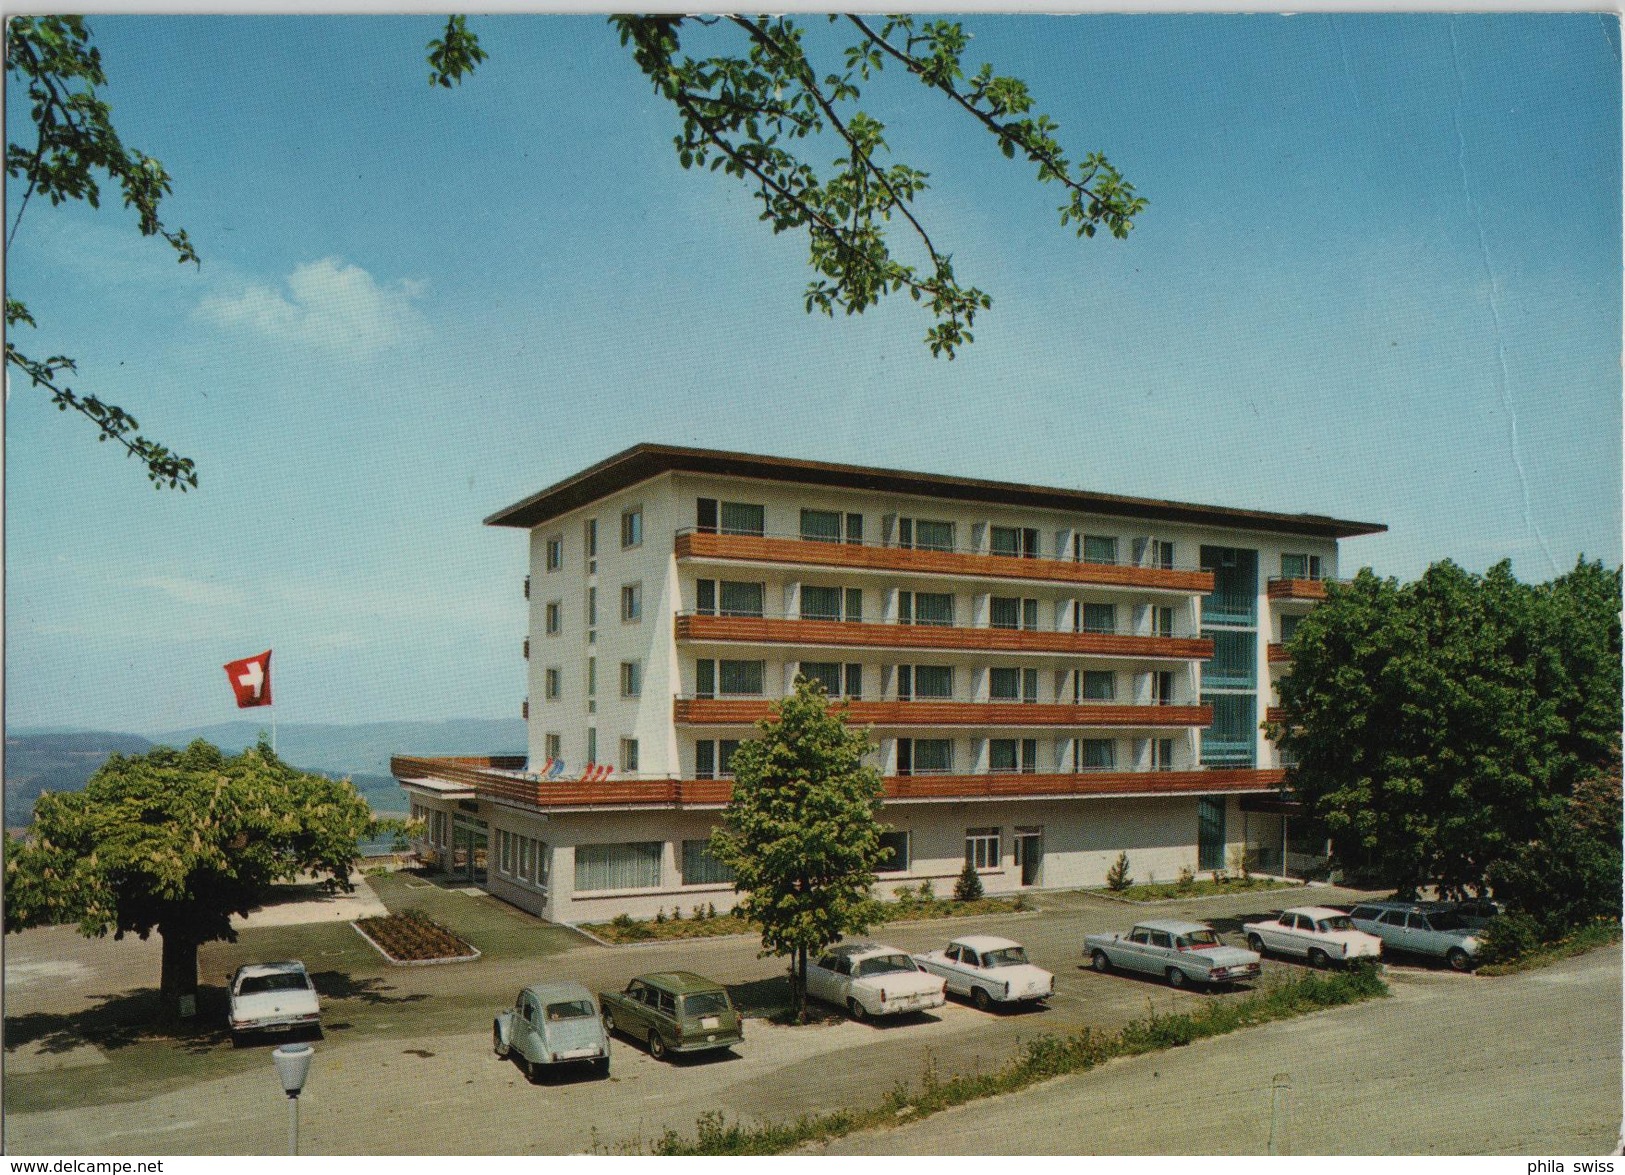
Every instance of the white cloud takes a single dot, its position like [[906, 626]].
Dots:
[[328, 304], [194, 592]]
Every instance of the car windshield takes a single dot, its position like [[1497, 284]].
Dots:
[[283, 981], [1341, 922], [571, 1010], [1006, 957], [705, 1003], [885, 965], [1447, 920], [1197, 939]]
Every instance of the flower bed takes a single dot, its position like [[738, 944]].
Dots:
[[1164, 891], [413, 938], [625, 929]]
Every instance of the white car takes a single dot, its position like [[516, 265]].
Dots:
[[272, 997], [988, 970], [868, 979], [1320, 935]]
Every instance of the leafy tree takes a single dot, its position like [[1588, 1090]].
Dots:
[[1439, 725], [742, 110], [177, 842], [800, 831], [74, 140]]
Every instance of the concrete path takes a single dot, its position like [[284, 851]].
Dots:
[[1527, 1065]]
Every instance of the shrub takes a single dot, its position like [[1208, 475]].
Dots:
[[710, 910], [1187, 879], [660, 915], [1117, 877], [1508, 936], [969, 886], [927, 894]]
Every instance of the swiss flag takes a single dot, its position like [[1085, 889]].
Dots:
[[251, 680]]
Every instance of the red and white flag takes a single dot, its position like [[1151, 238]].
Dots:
[[251, 680]]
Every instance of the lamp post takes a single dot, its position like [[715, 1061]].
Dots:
[[292, 1067]]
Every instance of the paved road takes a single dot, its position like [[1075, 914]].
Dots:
[[1527, 1065]]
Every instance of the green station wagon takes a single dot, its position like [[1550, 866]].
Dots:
[[673, 1012]]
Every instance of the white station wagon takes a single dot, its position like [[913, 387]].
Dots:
[[989, 970], [868, 979], [1320, 935]]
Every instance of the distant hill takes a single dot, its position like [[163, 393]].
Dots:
[[64, 760]]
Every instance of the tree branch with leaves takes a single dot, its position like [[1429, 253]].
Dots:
[[74, 140]]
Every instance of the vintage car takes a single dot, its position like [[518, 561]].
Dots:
[[674, 1012], [868, 979], [272, 997], [989, 971], [1182, 952], [1322, 936], [1477, 913], [1420, 928], [552, 1024]]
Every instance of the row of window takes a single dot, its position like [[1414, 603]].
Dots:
[[913, 682], [631, 609], [713, 758], [631, 536], [631, 680]]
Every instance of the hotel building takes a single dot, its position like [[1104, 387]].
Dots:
[[1051, 676]]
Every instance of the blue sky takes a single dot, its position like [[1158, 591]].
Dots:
[[1379, 278]]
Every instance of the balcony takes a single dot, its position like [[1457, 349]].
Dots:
[[795, 551], [1276, 654], [1309, 591], [499, 778], [846, 634], [946, 712]]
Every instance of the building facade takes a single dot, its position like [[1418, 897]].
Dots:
[[1051, 677]]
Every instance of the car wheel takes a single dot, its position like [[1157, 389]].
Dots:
[[1100, 962], [856, 1008], [657, 1046], [1459, 959], [1176, 977], [1255, 944], [497, 1044], [602, 1067], [1319, 959], [238, 1040], [527, 1067], [979, 997]]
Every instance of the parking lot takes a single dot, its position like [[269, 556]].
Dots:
[[405, 1065]]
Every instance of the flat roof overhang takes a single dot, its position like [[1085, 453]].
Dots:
[[642, 462]]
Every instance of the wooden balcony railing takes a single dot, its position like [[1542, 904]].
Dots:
[[490, 783], [808, 553], [1276, 654], [1286, 588], [744, 711], [855, 635]]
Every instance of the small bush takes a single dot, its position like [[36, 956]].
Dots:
[[660, 915], [1508, 936], [710, 910], [1187, 880], [1117, 877], [927, 893], [905, 896], [1022, 904], [621, 922], [969, 886]]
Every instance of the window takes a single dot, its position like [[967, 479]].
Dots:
[[982, 847], [592, 677], [1230, 741], [590, 538], [1209, 834], [631, 603], [741, 677], [1233, 665], [1234, 599], [821, 526], [1162, 621], [934, 608], [1012, 685], [820, 603], [592, 744], [1013, 754], [705, 596], [743, 518], [629, 755], [631, 679], [635, 865], [1099, 685], [1014, 541], [742, 599], [555, 553], [1162, 754], [1162, 688], [1154, 553], [701, 868], [1099, 548], [505, 853], [925, 756], [925, 534], [839, 680], [592, 607], [554, 609], [632, 527], [924, 681], [1289, 627], [1100, 618], [550, 690], [1009, 612], [1300, 566], [1096, 754], [854, 528], [713, 758], [554, 745], [894, 853]]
